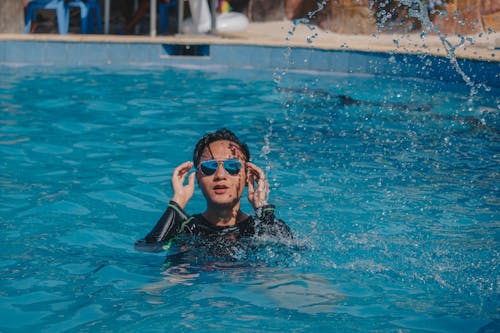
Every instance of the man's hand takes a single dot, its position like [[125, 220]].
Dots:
[[183, 193], [257, 196]]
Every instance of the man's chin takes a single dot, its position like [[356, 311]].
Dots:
[[224, 204]]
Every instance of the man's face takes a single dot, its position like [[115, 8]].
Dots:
[[221, 188]]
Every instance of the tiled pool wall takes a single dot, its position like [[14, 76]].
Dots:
[[63, 53]]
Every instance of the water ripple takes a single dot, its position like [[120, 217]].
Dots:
[[122, 198]]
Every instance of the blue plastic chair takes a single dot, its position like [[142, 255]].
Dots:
[[95, 13], [61, 13], [90, 15], [164, 6]]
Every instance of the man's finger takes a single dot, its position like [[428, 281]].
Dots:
[[251, 188], [191, 179]]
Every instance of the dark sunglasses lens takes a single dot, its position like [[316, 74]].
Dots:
[[232, 167], [208, 167]]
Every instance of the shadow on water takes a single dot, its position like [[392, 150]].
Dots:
[[475, 123]]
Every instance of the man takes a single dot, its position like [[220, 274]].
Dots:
[[222, 172]]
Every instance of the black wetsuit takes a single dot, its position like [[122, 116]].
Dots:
[[175, 221]]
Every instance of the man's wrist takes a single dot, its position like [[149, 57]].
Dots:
[[264, 209], [260, 204], [181, 203]]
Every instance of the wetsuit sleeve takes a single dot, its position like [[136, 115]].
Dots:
[[269, 224], [170, 224]]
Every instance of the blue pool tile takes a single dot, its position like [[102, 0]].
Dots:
[[416, 65], [231, 55], [118, 54], [54, 53], [8, 50], [18, 52], [74, 54], [2, 54], [402, 65], [487, 72], [220, 54], [378, 64], [339, 61], [216, 54], [261, 57], [279, 57], [319, 60], [300, 58], [358, 62], [398, 66], [440, 69], [65, 53], [93, 54], [151, 53], [29, 56], [245, 53]]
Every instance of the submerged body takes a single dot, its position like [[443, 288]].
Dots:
[[175, 221]]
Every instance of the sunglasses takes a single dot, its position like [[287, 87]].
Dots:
[[232, 166]]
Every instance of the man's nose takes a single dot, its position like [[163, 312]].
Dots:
[[220, 172]]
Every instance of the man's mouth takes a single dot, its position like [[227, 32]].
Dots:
[[220, 189]]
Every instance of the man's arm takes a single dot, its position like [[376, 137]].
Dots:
[[174, 218], [169, 225], [268, 224], [257, 196]]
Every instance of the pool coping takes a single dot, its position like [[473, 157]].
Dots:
[[483, 47]]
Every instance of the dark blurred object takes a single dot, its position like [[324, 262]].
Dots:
[[265, 10], [239, 5]]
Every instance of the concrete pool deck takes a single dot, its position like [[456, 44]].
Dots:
[[483, 47]]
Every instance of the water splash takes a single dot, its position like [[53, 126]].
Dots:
[[280, 73], [266, 149], [417, 9], [307, 22]]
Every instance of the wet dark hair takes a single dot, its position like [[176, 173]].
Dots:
[[219, 135]]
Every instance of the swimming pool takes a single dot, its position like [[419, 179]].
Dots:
[[389, 184]]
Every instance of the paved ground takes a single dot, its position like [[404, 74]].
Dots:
[[284, 33]]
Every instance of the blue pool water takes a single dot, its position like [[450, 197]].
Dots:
[[392, 194]]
